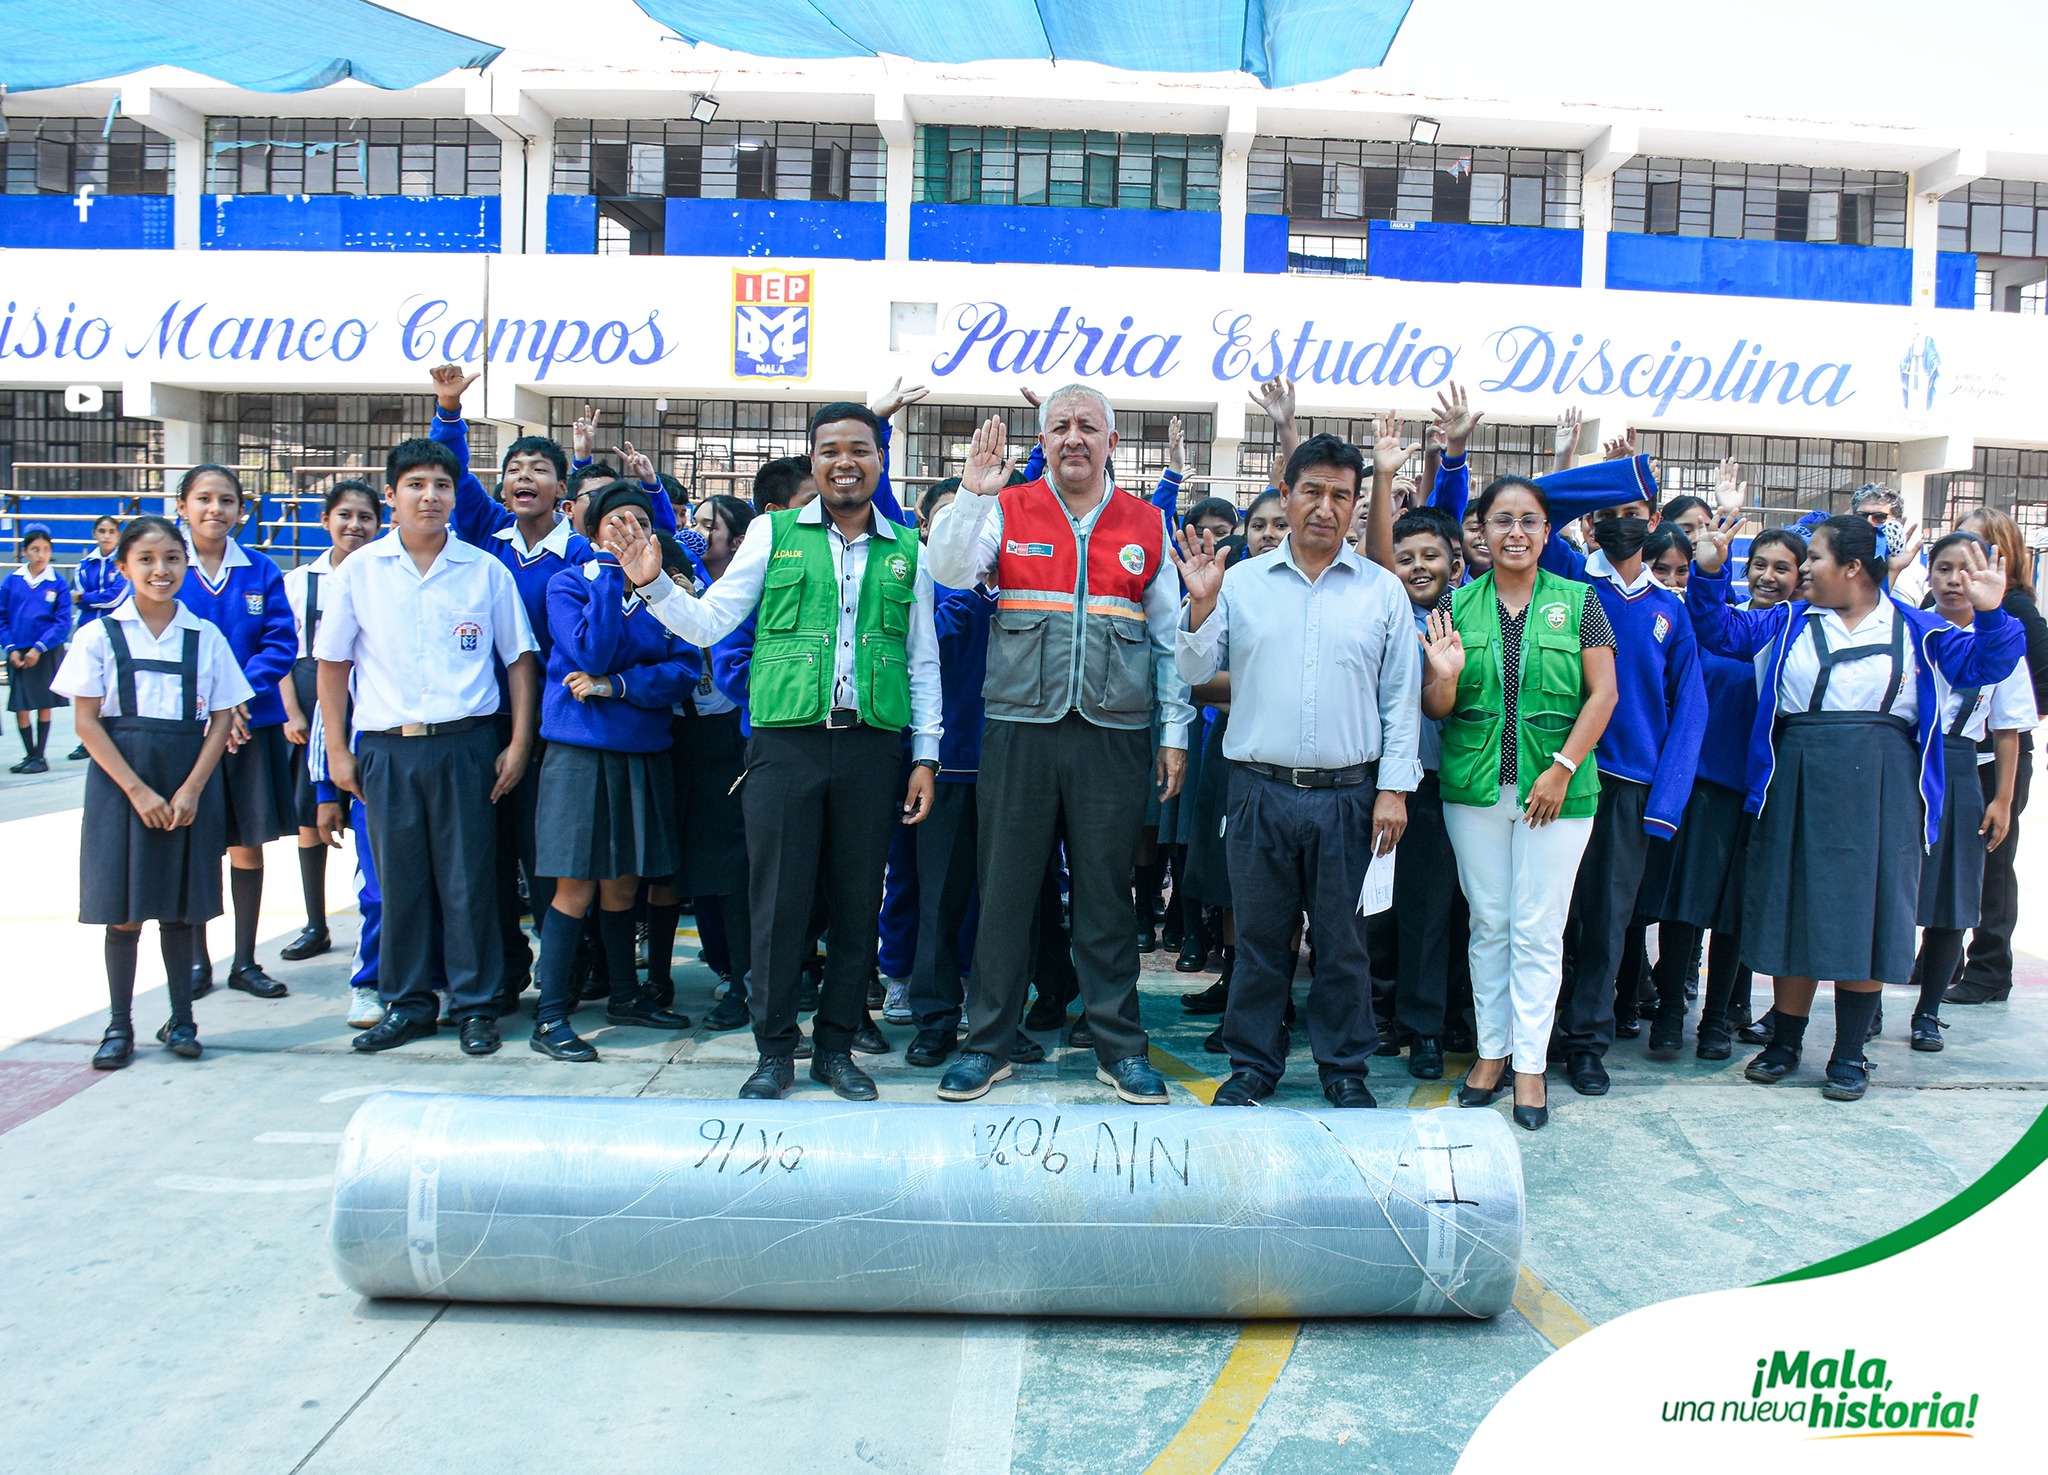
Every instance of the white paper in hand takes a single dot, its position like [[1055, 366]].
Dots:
[[1378, 893]]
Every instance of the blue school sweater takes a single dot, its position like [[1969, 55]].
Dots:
[[1572, 494], [101, 584], [1660, 713], [599, 630], [1982, 655], [1731, 712], [38, 615], [961, 619], [250, 606]]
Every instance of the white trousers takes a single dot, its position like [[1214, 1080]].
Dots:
[[1518, 886]]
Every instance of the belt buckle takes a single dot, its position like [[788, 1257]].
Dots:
[[1296, 777], [838, 719], [416, 729]]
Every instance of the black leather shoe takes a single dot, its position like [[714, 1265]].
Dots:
[[1927, 1030], [253, 980], [117, 1048], [807, 987], [1970, 991], [1471, 1095], [932, 1046], [1532, 1118], [1193, 956], [1209, 1001], [1081, 1037], [1586, 1073], [803, 1047], [1425, 1060], [1627, 1027], [395, 1029], [77, 753], [1667, 1033], [1046, 1013], [559, 1042], [202, 980], [1025, 1051], [1772, 1066], [729, 1013], [1390, 1038], [1242, 1089], [1876, 1027], [182, 1040], [1714, 1044], [878, 994], [971, 1077], [869, 1040], [1148, 940], [1348, 1091], [773, 1075], [641, 1012], [1459, 1041], [835, 1068], [480, 1035], [1213, 1042], [1135, 1081], [1847, 1080], [30, 765], [1756, 1032], [310, 943]]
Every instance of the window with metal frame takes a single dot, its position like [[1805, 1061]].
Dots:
[[935, 440], [726, 160], [1024, 166], [2012, 480], [63, 155], [709, 446], [1787, 475], [90, 450], [1342, 184], [1760, 202], [350, 156]]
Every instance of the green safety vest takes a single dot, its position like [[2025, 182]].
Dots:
[[1546, 707], [790, 681]]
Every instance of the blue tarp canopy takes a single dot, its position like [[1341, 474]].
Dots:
[[1281, 42], [263, 45]]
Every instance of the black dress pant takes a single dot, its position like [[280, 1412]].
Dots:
[[1292, 851], [945, 886], [1990, 956], [516, 849], [1426, 896], [1603, 903], [434, 837], [820, 808], [1036, 777]]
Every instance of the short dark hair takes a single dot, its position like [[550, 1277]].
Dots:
[[411, 455], [1769, 537], [582, 475], [106, 517], [1423, 521], [34, 531], [1956, 540], [211, 468], [1681, 504], [1210, 507], [353, 487], [537, 445], [147, 525], [777, 483], [1268, 494], [1663, 538], [1851, 539], [845, 409], [1501, 484], [1324, 449], [731, 511]]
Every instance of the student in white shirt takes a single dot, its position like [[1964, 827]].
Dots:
[[417, 618], [155, 688]]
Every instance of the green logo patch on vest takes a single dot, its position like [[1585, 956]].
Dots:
[[1554, 616], [899, 566]]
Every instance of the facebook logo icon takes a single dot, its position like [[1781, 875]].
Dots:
[[771, 325]]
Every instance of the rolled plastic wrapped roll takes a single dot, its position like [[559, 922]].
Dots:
[[1005, 1209]]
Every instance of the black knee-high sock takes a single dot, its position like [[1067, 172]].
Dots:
[[176, 939], [1941, 949], [1853, 1012], [559, 934], [1723, 961], [28, 741], [313, 884], [121, 950], [661, 949], [1677, 951], [42, 733], [615, 933], [246, 887], [1788, 1031]]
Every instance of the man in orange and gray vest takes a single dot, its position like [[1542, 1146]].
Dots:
[[1080, 657]]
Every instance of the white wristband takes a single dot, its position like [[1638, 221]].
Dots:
[[1570, 766]]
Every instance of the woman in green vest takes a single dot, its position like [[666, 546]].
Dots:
[[1521, 673]]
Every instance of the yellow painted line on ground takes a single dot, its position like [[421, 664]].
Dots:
[[1224, 1416], [1432, 1093], [1547, 1311], [1199, 1084]]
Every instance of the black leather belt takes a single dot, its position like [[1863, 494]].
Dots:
[[842, 717], [1313, 778], [430, 729]]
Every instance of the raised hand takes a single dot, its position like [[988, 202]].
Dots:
[[1276, 398], [1443, 648], [897, 398], [1389, 452], [449, 384], [1031, 397], [1176, 447], [989, 462], [1404, 494], [1987, 578], [1731, 492], [637, 553], [1710, 548], [1565, 442], [1621, 447], [1201, 570], [1909, 548], [583, 434], [1456, 418], [635, 464]]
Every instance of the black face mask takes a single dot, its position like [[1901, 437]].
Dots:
[[1621, 537]]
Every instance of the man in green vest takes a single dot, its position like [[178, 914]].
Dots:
[[844, 660]]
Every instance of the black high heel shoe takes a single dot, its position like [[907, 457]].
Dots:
[[1471, 1095], [1533, 1118]]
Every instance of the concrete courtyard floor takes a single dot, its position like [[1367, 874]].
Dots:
[[170, 1305]]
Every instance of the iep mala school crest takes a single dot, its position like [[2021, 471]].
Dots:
[[1554, 616], [1659, 628], [253, 602], [467, 633], [771, 324]]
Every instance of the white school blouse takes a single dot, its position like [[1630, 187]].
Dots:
[[88, 669]]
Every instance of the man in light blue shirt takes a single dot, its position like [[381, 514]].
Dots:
[[1324, 727]]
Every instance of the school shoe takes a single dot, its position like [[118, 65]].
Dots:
[[1876, 1024], [30, 765], [868, 1040], [971, 1077], [835, 1068], [1194, 957], [1046, 1012], [559, 1042], [773, 1074], [1209, 1001], [1587, 1073], [202, 980], [637, 1011], [1714, 1044], [932, 1046], [254, 981], [365, 1008], [181, 1039], [896, 1003], [117, 1048], [1847, 1080], [730, 1012], [808, 984], [77, 753], [878, 992], [1425, 1060], [1667, 1033], [1081, 1037], [1627, 1026], [395, 1029], [1927, 1030], [1970, 991], [803, 1047], [1756, 1032], [480, 1035], [1242, 1089], [1390, 1037], [310, 943], [1348, 1092], [1134, 1079], [1213, 1042], [1025, 1051], [1771, 1067]]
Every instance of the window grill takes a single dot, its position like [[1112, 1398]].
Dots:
[[1345, 183], [2011, 480], [1024, 166], [61, 156], [350, 156], [1760, 202]]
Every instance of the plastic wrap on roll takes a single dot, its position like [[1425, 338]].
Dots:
[[1005, 1209]]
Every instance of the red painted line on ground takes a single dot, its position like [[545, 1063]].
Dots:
[[28, 1088]]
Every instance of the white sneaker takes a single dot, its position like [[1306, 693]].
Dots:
[[896, 1003], [364, 1008]]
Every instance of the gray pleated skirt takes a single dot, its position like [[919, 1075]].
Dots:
[[1952, 876], [305, 680], [1696, 876], [1208, 869], [128, 872], [28, 687], [258, 779], [602, 814], [1833, 876]]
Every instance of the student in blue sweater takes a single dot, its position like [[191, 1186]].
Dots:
[[35, 603], [101, 585], [241, 591], [606, 815], [1845, 773]]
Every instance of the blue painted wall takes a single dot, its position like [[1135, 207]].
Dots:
[[1428, 251], [1955, 279], [572, 225], [855, 230], [1265, 243], [1062, 237], [112, 222], [1873, 274], [349, 222]]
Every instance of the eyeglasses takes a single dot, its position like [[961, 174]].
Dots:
[[1532, 522], [1878, 516]]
